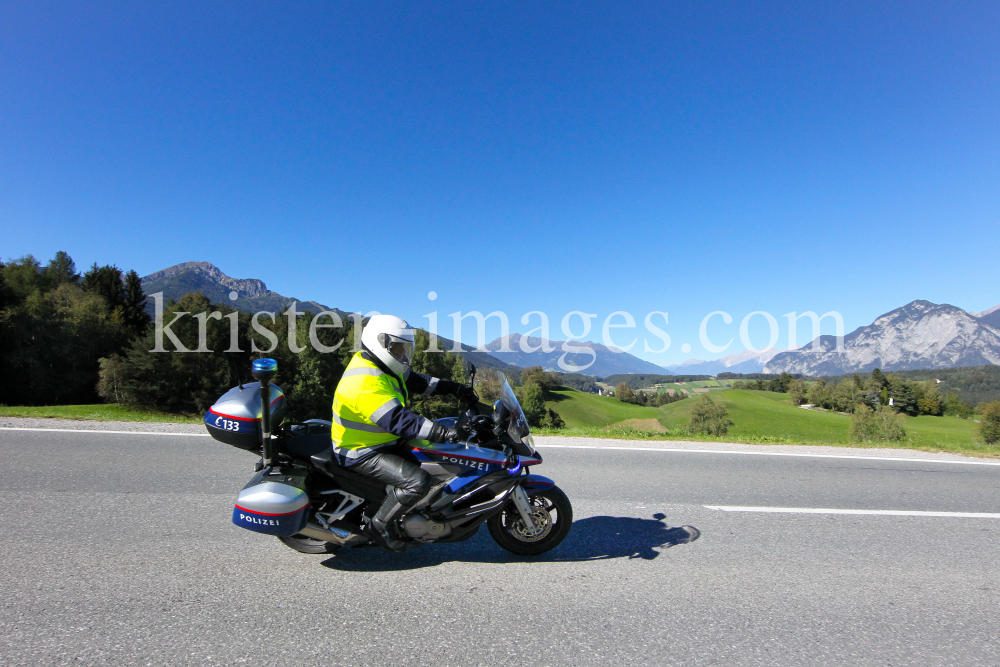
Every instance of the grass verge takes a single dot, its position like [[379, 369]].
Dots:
[[109, 412]]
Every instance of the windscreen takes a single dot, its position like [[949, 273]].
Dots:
[[518, 428]]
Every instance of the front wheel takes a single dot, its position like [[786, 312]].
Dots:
[[307, 545], [553, 516]]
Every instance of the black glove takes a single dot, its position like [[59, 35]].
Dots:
[[466, 394], [441, 433]]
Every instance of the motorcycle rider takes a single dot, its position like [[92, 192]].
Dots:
[[370, 415]]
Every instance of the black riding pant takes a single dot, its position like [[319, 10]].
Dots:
[[409, 481]]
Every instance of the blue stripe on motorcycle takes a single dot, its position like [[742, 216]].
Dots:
[[457, 483]]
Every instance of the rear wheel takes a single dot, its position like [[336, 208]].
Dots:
[[308, 545], [553, 516]]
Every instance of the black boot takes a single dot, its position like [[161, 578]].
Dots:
[[380, 525]]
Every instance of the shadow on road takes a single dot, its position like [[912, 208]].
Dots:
[[603, 537], [593, 538]]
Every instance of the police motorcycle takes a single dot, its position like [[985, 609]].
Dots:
[[301, 495]]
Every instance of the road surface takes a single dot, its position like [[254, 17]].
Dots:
[[118, 549]]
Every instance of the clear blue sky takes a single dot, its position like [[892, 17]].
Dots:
[[677, 156]]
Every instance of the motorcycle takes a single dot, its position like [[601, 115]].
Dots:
[[302, 496]]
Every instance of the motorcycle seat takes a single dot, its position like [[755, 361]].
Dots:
[[323, 458], [304, 446], [351, 482]]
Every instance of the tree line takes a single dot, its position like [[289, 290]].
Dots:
[[778, 383], [638, 381], [972, 384], [56, 324], [625, 394], [904, 396], [578, 381]]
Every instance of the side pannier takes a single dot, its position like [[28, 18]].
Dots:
[[235, 417], [274, 502]]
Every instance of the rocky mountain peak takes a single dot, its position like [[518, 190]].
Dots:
[[920, 334], [250, 287]]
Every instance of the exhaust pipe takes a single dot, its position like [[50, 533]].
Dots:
[[339, 536]]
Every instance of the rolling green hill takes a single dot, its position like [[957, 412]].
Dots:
[[590, 410], [760, 417]]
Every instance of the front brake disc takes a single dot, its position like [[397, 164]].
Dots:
[[542, 519]]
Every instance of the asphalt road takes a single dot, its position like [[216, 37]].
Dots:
[[118, 549]]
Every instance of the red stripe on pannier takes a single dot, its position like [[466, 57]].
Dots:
[[266, 514], [242, 419]]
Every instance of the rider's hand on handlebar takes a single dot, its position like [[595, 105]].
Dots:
[[441, 433], [482, 427]]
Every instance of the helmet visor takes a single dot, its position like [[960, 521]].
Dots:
[[401, 351]]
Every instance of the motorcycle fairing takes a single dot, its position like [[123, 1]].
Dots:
[[484, 494]]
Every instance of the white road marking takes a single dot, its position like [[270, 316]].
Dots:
[[820, 510], [87, 430], [971, 462]]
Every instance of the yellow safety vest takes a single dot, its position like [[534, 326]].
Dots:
[[364, 395]]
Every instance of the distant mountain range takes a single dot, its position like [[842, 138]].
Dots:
[[990, 317], [742, 362], [605, 361], [919, 335]]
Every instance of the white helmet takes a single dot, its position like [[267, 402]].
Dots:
[[391, 340]]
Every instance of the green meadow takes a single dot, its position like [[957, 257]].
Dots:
[[758, 416]]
